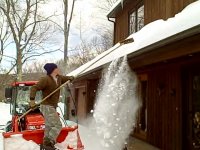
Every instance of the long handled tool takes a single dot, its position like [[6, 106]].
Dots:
[[126, 41]]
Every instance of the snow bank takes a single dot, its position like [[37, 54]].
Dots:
[[88, 138], [21, 144], [17, 142], [149, 34], [5, 114], [1, 141]]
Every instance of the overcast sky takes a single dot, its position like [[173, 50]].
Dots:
[[86, 14]]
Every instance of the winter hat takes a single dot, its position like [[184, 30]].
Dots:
[[49, 67]]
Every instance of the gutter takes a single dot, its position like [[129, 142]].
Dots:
[[176, 37], [109, 19]]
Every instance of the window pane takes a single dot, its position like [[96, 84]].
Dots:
[[132, 22], [140, 20]]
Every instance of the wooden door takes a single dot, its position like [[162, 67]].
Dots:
[[81, 103]]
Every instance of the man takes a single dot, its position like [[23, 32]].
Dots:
[[47, 85]]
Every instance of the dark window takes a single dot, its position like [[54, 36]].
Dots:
[[136, 19]]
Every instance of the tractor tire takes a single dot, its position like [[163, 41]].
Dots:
[[8, 126]]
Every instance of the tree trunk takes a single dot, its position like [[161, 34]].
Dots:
[[19, 63], [66, 34]]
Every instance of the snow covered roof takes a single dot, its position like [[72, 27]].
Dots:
[[114, 7], [151, 34], [118, 6]]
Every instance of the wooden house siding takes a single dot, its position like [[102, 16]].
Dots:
[[122, 23], [153, 10], [163, 9], [163, 107]]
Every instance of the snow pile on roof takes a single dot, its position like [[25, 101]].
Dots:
[[161, 29], [150, 34], [115, 5]]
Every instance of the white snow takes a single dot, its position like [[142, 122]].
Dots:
[[1, 142], [20, 143], [115, 5], [149, 34], [116, 105], [5, 116]]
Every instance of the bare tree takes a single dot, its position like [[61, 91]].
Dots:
[[67, 23], [29, 29], [4, 34], [105, 5], [34, 67]]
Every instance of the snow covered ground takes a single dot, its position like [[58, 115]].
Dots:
[[4, 118], [86, 135], [5, 114]]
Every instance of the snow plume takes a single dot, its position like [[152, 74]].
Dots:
[[116, 106]]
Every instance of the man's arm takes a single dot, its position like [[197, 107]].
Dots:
[[66, 78], [39, 86]]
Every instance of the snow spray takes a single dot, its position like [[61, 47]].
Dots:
[[116, 105]]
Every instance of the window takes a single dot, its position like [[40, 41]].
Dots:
[[136, 19]]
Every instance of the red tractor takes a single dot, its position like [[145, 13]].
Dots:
[[32, 125]]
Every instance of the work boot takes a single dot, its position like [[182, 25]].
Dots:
[[48, 144]]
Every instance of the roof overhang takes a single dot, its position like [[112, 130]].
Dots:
[[176, 37], [118, 7]]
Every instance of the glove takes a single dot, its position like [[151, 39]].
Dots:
[[32, 104], [71, 78]]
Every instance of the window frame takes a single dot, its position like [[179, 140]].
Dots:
[[135, 9]]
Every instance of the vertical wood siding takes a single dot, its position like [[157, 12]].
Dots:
[[163, 108]]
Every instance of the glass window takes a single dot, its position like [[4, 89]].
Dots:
[[23, 98], [140, 19], [136, 19], [132, 23]]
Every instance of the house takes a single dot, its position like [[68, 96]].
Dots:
[[165, 55]]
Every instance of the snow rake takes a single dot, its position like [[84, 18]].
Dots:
[[126, 41]]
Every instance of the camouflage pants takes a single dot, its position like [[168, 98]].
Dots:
[[53, 124]]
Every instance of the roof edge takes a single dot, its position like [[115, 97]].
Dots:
[[176, 37], [111, 13]]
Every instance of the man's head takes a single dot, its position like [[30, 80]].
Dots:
[[51, 68]]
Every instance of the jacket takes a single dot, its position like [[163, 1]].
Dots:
[[47, 85]]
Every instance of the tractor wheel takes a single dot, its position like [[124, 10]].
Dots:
[[8, 126]]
